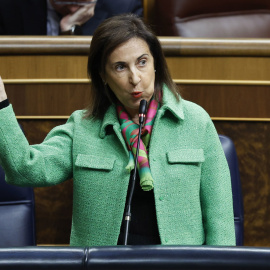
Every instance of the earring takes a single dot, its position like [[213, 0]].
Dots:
[[155, 70]]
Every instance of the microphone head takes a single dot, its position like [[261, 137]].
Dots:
[[143, 106], [142, 110]]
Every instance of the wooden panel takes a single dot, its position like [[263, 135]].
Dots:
[[43, 66], [48, 99], [236, 101], [231, 101], [253, 149], [172, 46], [219, 68]]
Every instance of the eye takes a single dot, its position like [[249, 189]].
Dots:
[[119, 67], [142, 62]]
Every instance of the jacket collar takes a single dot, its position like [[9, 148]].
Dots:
[[110, 119], [169, 103]]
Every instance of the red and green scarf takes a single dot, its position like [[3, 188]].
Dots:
[[130, 132]]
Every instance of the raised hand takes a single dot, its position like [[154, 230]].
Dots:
[[79, 17], [3, 94]]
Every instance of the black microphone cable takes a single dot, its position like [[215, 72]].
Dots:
[[142, 112]]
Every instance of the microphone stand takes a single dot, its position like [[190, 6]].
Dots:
[[142, 112]]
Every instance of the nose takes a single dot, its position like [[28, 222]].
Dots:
[[135, 76]]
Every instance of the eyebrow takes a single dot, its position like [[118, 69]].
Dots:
[[145, 54], [121, 62]]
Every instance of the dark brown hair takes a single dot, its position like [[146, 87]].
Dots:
[[109, 35]]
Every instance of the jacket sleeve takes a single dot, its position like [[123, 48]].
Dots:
[[216, 192], [45, 164]]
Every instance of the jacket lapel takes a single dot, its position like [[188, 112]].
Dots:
[[111, 120]]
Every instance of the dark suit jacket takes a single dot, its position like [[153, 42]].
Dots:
[[29, 17]]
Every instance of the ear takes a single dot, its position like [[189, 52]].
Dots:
[[102, 75], [103, 78]]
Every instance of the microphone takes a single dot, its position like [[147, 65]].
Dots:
[[142, 110], [142, 113]]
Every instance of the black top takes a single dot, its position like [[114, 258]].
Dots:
[[143, 229]]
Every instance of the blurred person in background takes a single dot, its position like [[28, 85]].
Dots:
[[60, 17]]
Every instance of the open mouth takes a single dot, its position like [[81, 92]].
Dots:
[[136, 94]]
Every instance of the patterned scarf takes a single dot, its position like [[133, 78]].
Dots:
[[130, 132]]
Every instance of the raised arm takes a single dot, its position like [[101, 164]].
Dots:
[[45, 164]]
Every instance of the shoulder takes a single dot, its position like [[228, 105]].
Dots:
[[194, 111], [197, 118], [78, 121], [78, 118]]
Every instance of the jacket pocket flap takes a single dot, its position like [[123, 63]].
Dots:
[[95, 162], [186, 156]]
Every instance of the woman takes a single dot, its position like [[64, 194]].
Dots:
[[183, 191]]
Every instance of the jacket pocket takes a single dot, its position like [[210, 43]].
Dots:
[[184, 171], [186, 156], [95, 162]]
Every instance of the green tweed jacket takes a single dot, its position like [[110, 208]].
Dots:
[[192, 185]]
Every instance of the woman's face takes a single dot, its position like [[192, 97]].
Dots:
[[130, 73]]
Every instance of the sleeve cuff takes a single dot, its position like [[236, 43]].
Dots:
[[4, 104]]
